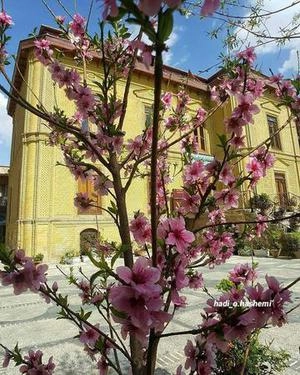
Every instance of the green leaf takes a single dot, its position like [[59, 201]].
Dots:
[[165, 25], [117, 313], [223, 140], [121, 250], [100, 273]]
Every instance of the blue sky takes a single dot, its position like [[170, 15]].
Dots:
[[191, 49]]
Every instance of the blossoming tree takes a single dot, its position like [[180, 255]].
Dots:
[[138, 299]]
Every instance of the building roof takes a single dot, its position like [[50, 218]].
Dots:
[[4, 170], [170, 74]]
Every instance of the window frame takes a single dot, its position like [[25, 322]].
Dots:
[[272, 122], [87, 186]]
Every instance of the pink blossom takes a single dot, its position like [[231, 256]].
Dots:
[[19, 256], [200, 116], [89, 335], [166, 99], [256, 87], [85, 287], [242, 273], [190, 352], [193, 172], [216, 216], [245, 109], [209, 7], [218, 246], [83, 201], [70, 78], [35, 275], [57, 72], [236, 332], [85, 100], [231, 198], [34, 365], [102, 366], [189, 203], [6, 359], [182, 101], [102, 184], [141, 229], [255, 168], [247, 55], [261, 226], [276, 78], [196, 281], [142, 277], [286, 88], [30, 277], [5, 19], [173, 3], [150, 7], [77, 26], [238, 141], [147, 57], [269, 160], [172, 122], [214, 94], [42, 51], [110, 9], [144, 311], [178, 235], [55, 287], [226, 176], [235, 125]]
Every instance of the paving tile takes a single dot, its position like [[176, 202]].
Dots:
[[31, 322]]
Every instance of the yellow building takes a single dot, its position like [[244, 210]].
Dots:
[[42, 217]]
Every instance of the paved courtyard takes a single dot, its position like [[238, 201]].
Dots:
[[26, 319]]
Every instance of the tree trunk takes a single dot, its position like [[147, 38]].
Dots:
[[137, 354]]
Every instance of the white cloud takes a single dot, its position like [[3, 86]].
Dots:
[[5, 122], [273, 26], [173, 39], [292, 62]]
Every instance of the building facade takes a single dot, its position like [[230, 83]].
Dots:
[[3, 201], [42, 217]]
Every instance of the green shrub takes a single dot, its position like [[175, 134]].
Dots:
[[290, 243], [245, 251], [262, 360], [67, 256], [38, 257], [260, 202]]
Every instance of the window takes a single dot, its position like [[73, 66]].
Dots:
[[273, 127], [87, 186], [3, 190], [200, 136], [281, 189]]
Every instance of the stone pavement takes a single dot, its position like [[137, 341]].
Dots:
[[26, 319]]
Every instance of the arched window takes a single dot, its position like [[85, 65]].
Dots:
[[89, 238]]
